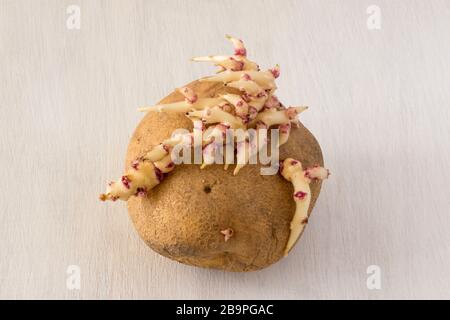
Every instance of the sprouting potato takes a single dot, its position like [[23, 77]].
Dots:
[[240, 221]]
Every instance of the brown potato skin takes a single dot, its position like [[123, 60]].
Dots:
[[181, 221]]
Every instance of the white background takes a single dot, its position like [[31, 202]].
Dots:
[[379, 108]]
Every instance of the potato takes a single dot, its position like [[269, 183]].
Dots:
[[182, 218]]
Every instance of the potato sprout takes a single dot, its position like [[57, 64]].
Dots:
[[292, 171]]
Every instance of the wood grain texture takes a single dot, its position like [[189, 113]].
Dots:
[[379, 108]]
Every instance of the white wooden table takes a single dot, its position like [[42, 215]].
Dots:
[[379, 107]]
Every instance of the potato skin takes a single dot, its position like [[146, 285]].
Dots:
[[182, 217]]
